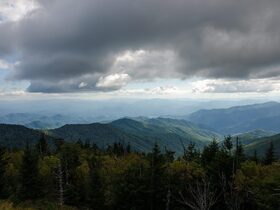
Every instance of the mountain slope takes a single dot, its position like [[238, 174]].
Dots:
[[251, 136], [100, 134], [141, 133], [240, 119], [167, 132], [262, 144], [16, 136]]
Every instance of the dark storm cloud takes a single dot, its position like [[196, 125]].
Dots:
[[7, 38], [67, 41]]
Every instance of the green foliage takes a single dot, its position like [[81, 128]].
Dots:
[[84, 176], [262, 182], [29, 176], [43, 146], [269, 155], [97, 197], [3, 168], [262, 144]]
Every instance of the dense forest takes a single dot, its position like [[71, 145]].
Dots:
[[82, 176]]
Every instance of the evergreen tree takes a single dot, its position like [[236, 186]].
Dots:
[[58, 144], [128, 148], [42, 146], [156, 172], [29, 176], [227, 144], [87, 144], [209, 152], [239, 156], [70, 160], [255, 157], [97, 198], [3, 164], [191, 154], [269, 155]]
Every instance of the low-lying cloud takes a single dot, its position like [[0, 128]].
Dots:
[[237, 86]]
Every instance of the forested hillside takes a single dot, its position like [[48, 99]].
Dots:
[[17, 136], [260, 145], [140, 133], [82, 176]]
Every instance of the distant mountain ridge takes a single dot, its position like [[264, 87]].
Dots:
[[240, 119], [141, 133], [39, 121], [251, 123]]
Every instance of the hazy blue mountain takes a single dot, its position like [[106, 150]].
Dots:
[[109, 109], [39, 121], [262, 144], [240, 119]]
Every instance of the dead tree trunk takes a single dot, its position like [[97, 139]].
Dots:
[[60, 184], [199, 196]]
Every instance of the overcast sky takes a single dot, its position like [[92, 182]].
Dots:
[[140, 48]]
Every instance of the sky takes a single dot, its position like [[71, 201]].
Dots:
[[97, 49]]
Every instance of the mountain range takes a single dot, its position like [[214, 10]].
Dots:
[[41, 121], [255, 125], [240, 119], [141, 133]]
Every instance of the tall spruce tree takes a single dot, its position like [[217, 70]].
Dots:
[[97, 198], [191, 154], [209, 153], [29, 176], [3, 164], [269, 155], [239, 156], [42, 146], [157, 194]]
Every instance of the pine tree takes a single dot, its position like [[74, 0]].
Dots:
[[269, 155], [3, 164], [227, 144], [191, 153], [69, 156], [209, 152], [29, 176], [97, 198], [128, 148], [157, 193], [239, 156], [255, 157], [42, 146]]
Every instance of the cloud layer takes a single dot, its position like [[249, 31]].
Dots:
[[69, 45]]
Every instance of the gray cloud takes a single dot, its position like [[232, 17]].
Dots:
[[67, 43]]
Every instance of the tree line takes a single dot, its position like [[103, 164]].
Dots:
[[83, 176]]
